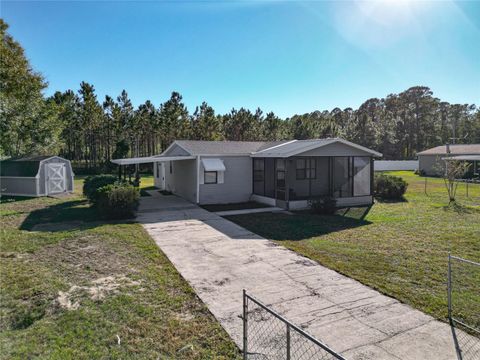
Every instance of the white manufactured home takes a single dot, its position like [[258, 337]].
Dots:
[[283, 173], [36, 176]]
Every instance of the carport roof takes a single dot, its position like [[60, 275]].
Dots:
[[149, 159]]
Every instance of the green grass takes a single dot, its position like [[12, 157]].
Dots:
[[72, 286], [399, 248]]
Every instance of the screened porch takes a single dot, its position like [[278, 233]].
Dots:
[[293, 181]]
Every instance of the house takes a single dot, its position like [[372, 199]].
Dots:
[[430, 161], [283, 173], [35, 176]]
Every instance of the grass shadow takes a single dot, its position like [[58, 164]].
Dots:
[[65, 216], [9, 199], [301, 225], [460, 209], [391, 201]]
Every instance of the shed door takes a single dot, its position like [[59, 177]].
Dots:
[[55, 177]]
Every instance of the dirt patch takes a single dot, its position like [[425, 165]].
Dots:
[[58, 226], [84, 258], [98, 290]]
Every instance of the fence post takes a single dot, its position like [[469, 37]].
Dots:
[[449, 287], [288, 341], [245, 312]]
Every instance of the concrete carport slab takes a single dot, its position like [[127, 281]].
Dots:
[[219, 259]]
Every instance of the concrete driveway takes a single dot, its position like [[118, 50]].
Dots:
[[219, 259]]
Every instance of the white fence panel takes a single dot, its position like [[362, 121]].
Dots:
[[388, 165]]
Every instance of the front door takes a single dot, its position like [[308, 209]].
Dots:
[[161, 175], [55, 178]]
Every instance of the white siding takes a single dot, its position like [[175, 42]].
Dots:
[[237, 185]]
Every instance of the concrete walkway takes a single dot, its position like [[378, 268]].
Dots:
[[219, 259]]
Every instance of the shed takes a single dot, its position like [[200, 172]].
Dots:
[[35, 176]]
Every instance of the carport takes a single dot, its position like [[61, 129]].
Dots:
[[159, 172]]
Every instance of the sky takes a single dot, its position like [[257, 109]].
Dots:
[[289, 57]]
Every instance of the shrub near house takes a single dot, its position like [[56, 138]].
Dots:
[[389, 187], [118, 201], [113, 199], [93, 183]]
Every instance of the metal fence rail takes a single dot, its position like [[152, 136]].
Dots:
[[268, 335], [464, 306]]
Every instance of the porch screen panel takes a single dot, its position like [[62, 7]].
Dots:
[[320, 185], [270, 177], [259, 176], [342, 176], [361, 176]]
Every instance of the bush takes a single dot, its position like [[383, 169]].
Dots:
[[325, 205], [118, 201], [389, 187], [92, 184]]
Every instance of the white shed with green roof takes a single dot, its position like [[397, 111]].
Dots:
[[35, 176]]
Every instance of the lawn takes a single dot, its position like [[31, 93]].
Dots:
[[399, 248], [74, 287]]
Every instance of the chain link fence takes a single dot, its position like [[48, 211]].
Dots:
[[464, 306], [267, 335]]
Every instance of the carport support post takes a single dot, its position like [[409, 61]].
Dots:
[[245, 323], [119, 172]]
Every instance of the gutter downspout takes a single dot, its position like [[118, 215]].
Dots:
[[198, 179]]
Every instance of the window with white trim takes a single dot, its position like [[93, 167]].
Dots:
[[210, 177]]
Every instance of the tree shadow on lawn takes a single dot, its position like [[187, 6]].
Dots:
[[65, 216], [10, 199], [302, 224]]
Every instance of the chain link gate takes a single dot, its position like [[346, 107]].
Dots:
[[464, 306], [268, 335]]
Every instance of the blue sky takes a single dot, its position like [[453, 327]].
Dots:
[[283, 56]]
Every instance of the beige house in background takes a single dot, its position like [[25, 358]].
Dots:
[[430, 161]]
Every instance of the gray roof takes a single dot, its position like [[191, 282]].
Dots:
[[199, 147], [22, 167], [295, 147], [456, 149]]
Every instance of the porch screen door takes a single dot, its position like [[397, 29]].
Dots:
[[280, 179]]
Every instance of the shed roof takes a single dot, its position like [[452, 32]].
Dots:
[[199, 147], [456, 149], [22, 167]]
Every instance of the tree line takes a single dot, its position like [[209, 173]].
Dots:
[[92, 131]]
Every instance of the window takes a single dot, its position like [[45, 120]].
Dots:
[[258, 170], [301, 169], [306, 169], [210, 177]]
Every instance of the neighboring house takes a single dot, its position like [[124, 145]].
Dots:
[[284, 174], [35, 176], [430, 161]]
